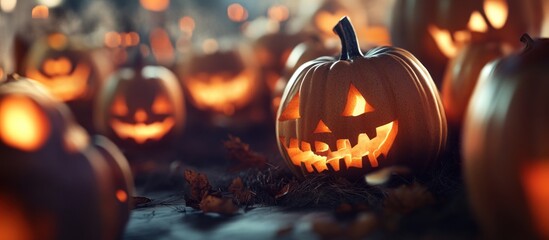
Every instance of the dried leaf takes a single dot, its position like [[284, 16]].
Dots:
[[283, 191], [217, 204], [198, 185], [407, 198], [243, 157], [241, 194]]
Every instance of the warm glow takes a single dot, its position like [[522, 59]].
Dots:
[[221, 92], [496, 12], [76, 139], [325, 21], [155, 5], [140, 131], [121, 195], [161, 105], [23, 124], [237, 12], [322, 128], [292, 109], [324, 158], [377, 35], [186, 24], [209, 46], [112, 39], [140, 116], [279, 13], [57, 41], [14, 225], [1, 73], [161, 46], [64, 87], [119, 107], [535, 181], [50, 3], [444, 42], [7, 5], [40, 11], [477, 23], [61, 66], [356, 104], [129, 39]]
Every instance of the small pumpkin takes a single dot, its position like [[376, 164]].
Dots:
[[58, 183], [221, 82], [434, 30], [360, 113], [505, 139], [141, 107]]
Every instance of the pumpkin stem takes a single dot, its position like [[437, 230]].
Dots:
[[527, 40], [349, 43]]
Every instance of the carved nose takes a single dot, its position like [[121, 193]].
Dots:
[[140, 116], [321, 127]]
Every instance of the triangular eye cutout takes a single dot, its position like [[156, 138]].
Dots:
[[161, 105], [356, 104], [292, 110], [322, 128], [119, 107]]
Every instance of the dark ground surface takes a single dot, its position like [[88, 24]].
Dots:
[[431, 206]]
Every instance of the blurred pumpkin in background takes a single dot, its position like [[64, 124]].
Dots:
[[141, 106], [505, 139], [360, 113], [434, 30], [88, 187]]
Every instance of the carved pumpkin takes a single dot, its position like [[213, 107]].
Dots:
[[360, 113], [220, 82], [434, 30], [141, 107], [505, 139], [56, 181]]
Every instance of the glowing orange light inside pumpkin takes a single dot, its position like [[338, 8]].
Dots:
[[57, 41], [279, 13], [23, 124], [356, 104], [323, 157], [155, 5], [161, 46], [477, 23], [13, 223], [119, 107], [292, 110], [496, 12], [121, 195], [322, 128], [161, 105], [140, 131], [535, 181], [444, 42], [237, 12], [221, 92], [63, 86], [40, 11], [61, 66]]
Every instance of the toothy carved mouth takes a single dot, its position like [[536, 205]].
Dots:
[[322, 158], [140, 132]]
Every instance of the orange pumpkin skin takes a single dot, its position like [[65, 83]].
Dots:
[[68, 187], [141, 108], [461, 77], [505, 139], [412, 19], [360, 113]]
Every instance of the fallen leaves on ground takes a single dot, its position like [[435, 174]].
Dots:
[[240, 193], [218, 204], [242, 156], [199, 187]]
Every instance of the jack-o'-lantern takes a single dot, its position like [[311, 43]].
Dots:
[[434, 30], [220, 82], [505, 139], [141, 107], [42, 146], [302, 53], [67, 71], [360, 113]]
